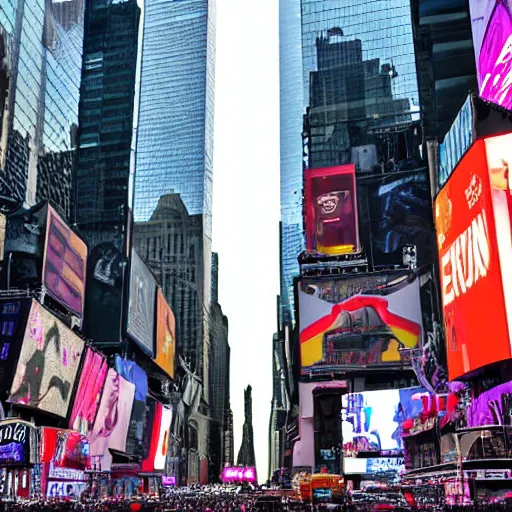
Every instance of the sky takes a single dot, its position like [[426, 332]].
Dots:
[[246, 202]]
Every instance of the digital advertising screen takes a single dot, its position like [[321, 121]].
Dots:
[[111, 424], [64, 264], [165, 335], [141, 305], [88, 393], [358, 321], [372, 420], [373, 466], [163, 439], [491, 25], [13, 320], [48, 364], [15, 439], [466, 213], [401, 214], [133, 373], [331, 217]]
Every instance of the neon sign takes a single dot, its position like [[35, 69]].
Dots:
[[244, 474]]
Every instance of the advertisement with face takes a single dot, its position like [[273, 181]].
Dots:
[[64, 264], [111, 424], [359, 321], [331, 210], [372, 420], [48, 364], [491, 24], [165, 335], [141, 305], [88, 393], [469, 262]]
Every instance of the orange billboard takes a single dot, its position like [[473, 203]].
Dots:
[[165, 335]]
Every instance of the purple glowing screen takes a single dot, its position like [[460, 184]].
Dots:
[[491, 24], [247, 474], [168, 481]]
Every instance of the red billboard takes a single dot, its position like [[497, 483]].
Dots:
[[470, 210], [331, 210]]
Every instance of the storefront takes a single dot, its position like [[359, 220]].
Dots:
[[18, 459]]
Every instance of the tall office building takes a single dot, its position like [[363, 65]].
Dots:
[[359, 82], [108, 103], [40, 64], [175, 139], [291, 112]]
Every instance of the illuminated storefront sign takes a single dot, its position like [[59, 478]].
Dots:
[[14, 442], [246, 474]]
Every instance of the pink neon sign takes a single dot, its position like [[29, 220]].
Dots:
[[239, 475]]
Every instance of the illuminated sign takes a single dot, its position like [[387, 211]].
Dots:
[[168, 481], [472, 214], [245, 474], [14, 442], [66, 473]]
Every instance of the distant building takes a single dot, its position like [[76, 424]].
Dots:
[[107, 105], [246, 455], [40, 67]]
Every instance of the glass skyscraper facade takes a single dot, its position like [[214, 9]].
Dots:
[[107, 106], [359, 80], [175, 129], [291, 111], [40, 66]]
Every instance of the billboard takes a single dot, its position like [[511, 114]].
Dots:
[[239, 474], [372, 420], [165, 335], [64, 264], [88, 393], [104, 294], [141, 305], [13, 319], [137, 376], [469, 211], [15, 442], [491, 24], [163, 439], [331, 218], [48, 364], [111, 424], [400, 210], [357, 321]]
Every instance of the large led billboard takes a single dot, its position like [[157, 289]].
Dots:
[[88, 393], [48, 364], [372, 420], [112, 420], [491, 24], [64, 264], [331, 210], [358, 321], [141, 305], [470, 210], [165, 335]]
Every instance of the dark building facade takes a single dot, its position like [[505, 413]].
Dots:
[[445, 61], [246, 455], [107, 104], [40, 62]]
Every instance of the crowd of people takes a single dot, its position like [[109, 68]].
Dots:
[[220, 501]]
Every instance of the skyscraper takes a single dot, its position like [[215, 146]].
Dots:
[[172, 203], [40, 64], [291, 112], [108, 103], [359, 81], [246, 455]]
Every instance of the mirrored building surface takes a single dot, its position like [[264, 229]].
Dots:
[[40, 66]]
